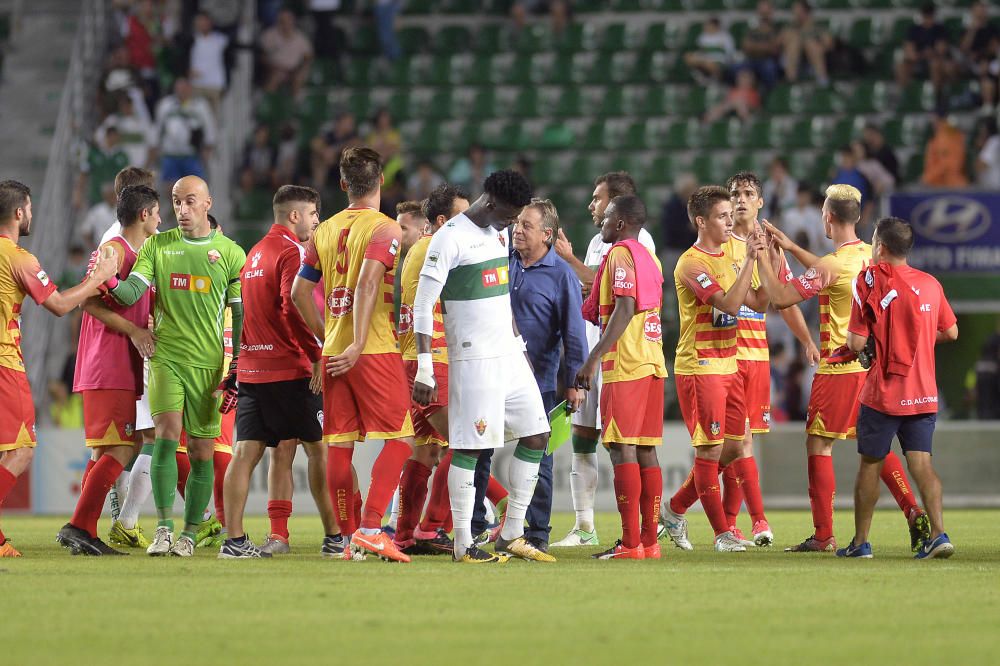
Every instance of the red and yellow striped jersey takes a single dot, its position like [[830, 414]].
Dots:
[[20, 275], [707, 342], [339, 247], [831, 280], [409, 277], [751, 326], [638, 352]]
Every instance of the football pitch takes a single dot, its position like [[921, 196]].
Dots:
[[763, 606]]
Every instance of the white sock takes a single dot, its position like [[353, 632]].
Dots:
[[583, 483], [462, 492], [394, 510], [522, 476], [139, 488], [208, 512], [491, 515], [117, 494]]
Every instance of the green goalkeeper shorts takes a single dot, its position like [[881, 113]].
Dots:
[[183, 388]]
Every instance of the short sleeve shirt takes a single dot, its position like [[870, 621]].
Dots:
[[707, 341], [20, 275]]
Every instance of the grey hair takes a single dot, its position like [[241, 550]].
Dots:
[[550, 216]]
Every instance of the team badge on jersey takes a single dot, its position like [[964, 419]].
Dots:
[[129, 429], [319, 417], [704, 280], [480, 424], [43, 277], [394, 247], [405, 324], [651, 328], [213, 256], [716, 428], [767, 417], [502, 238], [340, 301]]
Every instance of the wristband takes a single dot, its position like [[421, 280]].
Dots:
[[111, 283], [425, 370]]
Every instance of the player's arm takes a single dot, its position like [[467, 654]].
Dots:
[[782, 293], [797, 323], [574, 339], [947, 323], [730, 301], [142, 338], [310, 273], [804, 256], [369, 283], [428, 292], [60, 303], [295, 324], [564, 249], [950, 334], [620, 318]]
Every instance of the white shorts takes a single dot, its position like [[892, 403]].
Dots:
[[143, 419], [589, 414], [492, 401]]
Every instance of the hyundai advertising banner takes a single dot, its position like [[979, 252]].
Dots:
[[956, 230]]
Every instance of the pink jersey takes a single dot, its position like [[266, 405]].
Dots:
[[106, 359]]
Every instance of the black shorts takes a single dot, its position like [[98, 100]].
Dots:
[[276, 411], [876, 431]]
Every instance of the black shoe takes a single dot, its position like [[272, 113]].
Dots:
[[78, 541], [105, 548], [333, 546], [538, 543], [441, 543]]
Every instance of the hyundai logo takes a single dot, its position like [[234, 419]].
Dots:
[[951, 219]]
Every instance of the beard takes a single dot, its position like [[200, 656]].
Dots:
[[24, 229]]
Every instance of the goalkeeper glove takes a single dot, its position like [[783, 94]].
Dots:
[[867, 355], [229, 388], [841, 355]]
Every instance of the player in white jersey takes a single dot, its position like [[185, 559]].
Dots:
[[492, 394], [587, 420]]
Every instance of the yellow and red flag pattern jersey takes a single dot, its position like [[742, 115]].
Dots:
[[707, 342], [20, 275], [409, 277], [339, 247], [638, 352], [751, 326]]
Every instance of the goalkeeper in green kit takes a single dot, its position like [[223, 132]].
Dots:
[[195, 272]]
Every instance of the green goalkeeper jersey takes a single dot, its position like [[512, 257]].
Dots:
[[195, 279]]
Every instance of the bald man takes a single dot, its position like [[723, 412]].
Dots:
[[195, 271]]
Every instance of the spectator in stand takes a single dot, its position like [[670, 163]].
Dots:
[[385, 25], [326, 43], [761, 46], [677, 233], [927, 52], [208, 60], [287, 160], [881, 180], [99, 218], [185, 133], [135, 130], [876, 147], [847, 173], [103, 161], [988, 158], [714, 53], [328, 144], [780, 190], [469, 172], [287, 54], [980, 46], [805, 38], [386, 140], [944, 158], [260, 157], [423, 181], [742, 100], [558, 11], [142, 37]]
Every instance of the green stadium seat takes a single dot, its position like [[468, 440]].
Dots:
[[526, 104], [779, 100], [675, 134], [532, 38], [325, 72], [916, 97], [913, 167], [716, 135], [275, 109], [414, 39], [596, 137], [484, 104], [658, 37], [611, 102], [403, 72], [508, 136], [399, 105], [738, 29], [420, 6], [795, 134], [253, 206], [451, 39], [614, 38], [557, 135], [569, 103], [489, 39], [427, 141], [741, 5], [892, 130], [363, 40], [574, 38], [689, 100], [840, 133], [756, 136], [360, 104]]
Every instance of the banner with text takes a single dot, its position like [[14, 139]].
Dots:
[[955, 230]]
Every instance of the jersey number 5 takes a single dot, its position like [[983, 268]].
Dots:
[[342, 254]]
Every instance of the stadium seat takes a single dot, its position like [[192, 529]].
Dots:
[[917, 96], [861, 33], [363, 40], [716, 135], [414, 39], [661, 170], [451, 39], [756, 136], [489, 39], [558, 135], [779, 100]]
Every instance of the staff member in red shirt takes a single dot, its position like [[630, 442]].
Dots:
[[906, 313]]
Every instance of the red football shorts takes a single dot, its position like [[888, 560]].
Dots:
[[632, 411], [109, 417], [703, 401], [753, 381], [369, 400], [424, 432], [17, 420], [833, 405]]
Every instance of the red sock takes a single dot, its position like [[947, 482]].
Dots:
[[412, 494], [685, 497], [439, 506], [359, 502], [91, 501], [894, 478], [278, 512], [86, 473], [649, 503], [706, 482], [746, 470], [822, 488], [385, 479], [220, 463], [341, 484], [183, 469], [495, 492], [732, 494], [628, 490], [7, 481]]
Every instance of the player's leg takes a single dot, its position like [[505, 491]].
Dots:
[[236, 486], [875, 434], [127, 532], [628, 491], [13, 463], [413, 489], [916, 436], [539, 514], [166, 402], [380, 392], [221, 457], [893, 475], [583, 471], [316, 453], [650, 498], [735, 432], [526, 419], [280, 488], [484, 467], [341, 428], [17, 438]]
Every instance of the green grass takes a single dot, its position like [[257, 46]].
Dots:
[[759, 607]]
